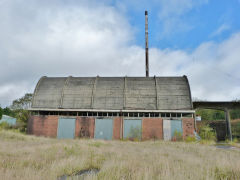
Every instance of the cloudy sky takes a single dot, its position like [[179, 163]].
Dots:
[[197, 38]]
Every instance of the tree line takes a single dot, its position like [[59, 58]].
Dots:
[[18, 110], [211, 115]]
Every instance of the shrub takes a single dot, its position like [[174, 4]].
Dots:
[[22, 118], [190, 139], [235, 140], [207, 133], [5, 125], [135, 133], [177, 136]]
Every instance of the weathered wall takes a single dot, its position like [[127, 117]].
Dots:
[[117, 127], [188, 127], [152, 128], [43, 125], [85, 127]]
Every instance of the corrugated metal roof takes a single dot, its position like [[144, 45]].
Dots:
[[113, 93]]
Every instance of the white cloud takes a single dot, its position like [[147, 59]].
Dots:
[[220, 30], [212, 69], [82, 39]]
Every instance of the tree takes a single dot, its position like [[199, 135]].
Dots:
[[19, 110], [7, 111], [22, 116], [235, 114], [23, 102], [1, 112], [211, 114]]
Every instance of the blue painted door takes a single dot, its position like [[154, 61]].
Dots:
[[66, 128], [103, 129], [132, 128], [176, 126]]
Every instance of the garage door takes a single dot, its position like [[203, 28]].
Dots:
[[132, 128], [66, 128], [176, 126], [167, 130], [103, 129], [170, 127]]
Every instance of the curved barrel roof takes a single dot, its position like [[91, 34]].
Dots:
[[113, 93]]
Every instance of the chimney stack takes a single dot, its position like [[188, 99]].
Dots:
[[146, 43]]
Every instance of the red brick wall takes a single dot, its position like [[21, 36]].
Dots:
[[117, 127], [152, 128], [43, 125], [85, 127], [188, 126]]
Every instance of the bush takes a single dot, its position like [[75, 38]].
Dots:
[[190, 139], [207, 133], [22, 119], [135, 133], [5, 125], [177, 136], [235, 140]]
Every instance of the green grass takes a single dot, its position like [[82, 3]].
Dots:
[[29, 157]]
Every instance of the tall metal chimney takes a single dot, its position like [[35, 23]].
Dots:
[[146, 43]]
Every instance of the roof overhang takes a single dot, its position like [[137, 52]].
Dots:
[[104, 110]]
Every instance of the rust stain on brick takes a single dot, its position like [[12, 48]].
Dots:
[[85, 127]]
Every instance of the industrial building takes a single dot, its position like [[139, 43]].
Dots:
[[112, 107]]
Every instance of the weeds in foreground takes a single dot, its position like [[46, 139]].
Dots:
[[28, 157]]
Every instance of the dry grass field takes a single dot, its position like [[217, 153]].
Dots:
[[27, 157]]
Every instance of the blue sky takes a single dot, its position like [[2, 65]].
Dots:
[[214, 20], [197, 38]]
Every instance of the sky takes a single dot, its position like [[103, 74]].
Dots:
[[197, 38]]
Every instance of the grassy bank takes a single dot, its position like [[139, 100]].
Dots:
[[28, 157]]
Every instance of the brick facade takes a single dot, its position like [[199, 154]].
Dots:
[[117, 127], [188, 127], [152, 128], [43, 125], [85, 127]]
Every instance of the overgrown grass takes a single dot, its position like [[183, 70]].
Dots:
[[29, 157]]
